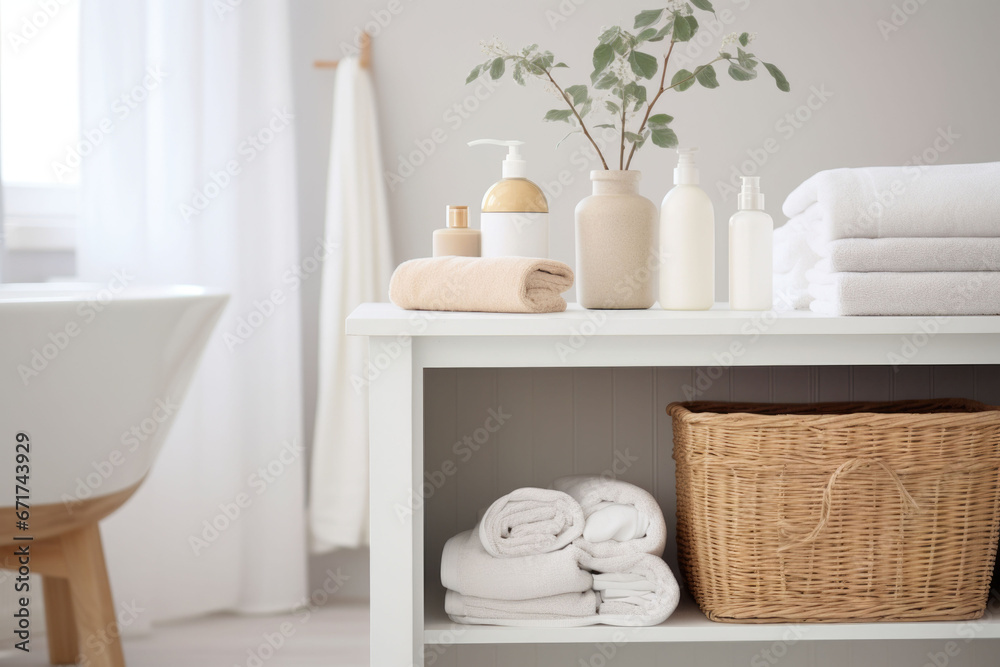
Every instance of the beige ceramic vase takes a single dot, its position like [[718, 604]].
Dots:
[[615, 244]]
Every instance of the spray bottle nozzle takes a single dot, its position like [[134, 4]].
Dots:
[[750, 198], [514, 165], [686, 171]]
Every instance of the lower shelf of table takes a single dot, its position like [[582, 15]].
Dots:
[[688, 624]]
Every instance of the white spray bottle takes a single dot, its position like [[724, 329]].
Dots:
[[750, 238]]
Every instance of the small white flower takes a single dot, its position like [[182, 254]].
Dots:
[[731, 38], [493, 46]]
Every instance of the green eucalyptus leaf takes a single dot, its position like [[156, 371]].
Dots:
[[779, 78], [647, 17], [578, 94], [557, 65], [585, 109], [607, 81], [497, 68], [706, 76], [684, 27], [659, 120], [747, 61], [519, 73], [603, 55], [558, 114], [664, 137], [643, 64], [620, 45], [606, 126], [662, 32], [740, 73], [474, 74], [703, 5], [544, 61], [684, 76], [744, 38], [637, 92], [528, 49], [633, 137], [612, 107], [608, 35], [645, 35]]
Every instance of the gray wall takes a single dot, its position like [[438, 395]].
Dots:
[[887, 93]]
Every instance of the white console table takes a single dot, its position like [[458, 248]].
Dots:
[[403, 344]]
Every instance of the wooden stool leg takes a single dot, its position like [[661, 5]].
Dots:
[[93, 608], [64, 645]]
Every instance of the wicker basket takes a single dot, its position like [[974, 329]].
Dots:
[[838, 512]]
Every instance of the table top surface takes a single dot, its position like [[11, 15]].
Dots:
[[384, 319]]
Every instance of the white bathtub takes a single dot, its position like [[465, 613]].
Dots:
[[94, 378]]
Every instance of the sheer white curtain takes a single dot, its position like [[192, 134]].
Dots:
[[191, 180]]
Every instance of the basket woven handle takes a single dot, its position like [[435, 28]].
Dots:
[[845, 468]]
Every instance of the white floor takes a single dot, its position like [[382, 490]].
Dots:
[[335, 636]]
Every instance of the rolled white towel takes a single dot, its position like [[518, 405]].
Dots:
[[595, 492], [615, 521], [530, 521], [960, 200], [467, 568]]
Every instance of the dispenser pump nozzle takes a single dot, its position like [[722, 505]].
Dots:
[[514, 166], [686, 171], [751, 198]]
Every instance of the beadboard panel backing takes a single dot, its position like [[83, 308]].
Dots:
[[561, 421]]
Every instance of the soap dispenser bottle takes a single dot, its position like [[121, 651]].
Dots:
[[687, 241], [750, 238], [515, 214], [456, 239]]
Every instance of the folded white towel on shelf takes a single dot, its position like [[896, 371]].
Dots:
[[650, 603], [594, 493], [653, 595], [940, 293], [568, 609], [467, 568], [911, 254], [960, 200], [530, 521]]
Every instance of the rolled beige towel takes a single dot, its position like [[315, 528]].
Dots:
[[481, 284]]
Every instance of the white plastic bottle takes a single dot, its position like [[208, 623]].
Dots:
[[750, 238], [515, 215], [687, 241]]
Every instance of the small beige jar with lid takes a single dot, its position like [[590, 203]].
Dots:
[[457, 238]]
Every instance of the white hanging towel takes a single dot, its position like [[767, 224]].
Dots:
[[357, 270]]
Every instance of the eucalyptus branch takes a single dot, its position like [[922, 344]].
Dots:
[[649, 107], [621, 67], [578, 118], [621, 153], [695, 73]]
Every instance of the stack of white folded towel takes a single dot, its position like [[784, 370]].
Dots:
[[892, 241], [586, 552]]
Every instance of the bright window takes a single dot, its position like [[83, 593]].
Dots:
[[39, 121]]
